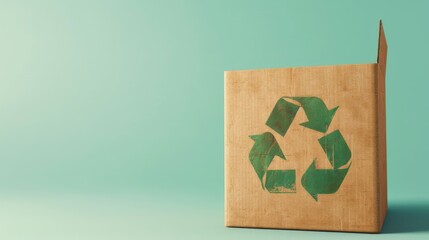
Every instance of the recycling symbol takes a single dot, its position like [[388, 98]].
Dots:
[[315, 181]]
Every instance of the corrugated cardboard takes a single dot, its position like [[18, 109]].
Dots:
[[359, 203]]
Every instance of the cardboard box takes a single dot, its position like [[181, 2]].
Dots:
[[305, 147]]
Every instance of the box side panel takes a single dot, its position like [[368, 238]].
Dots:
[[382, 153], [225, 120], [381, 125]]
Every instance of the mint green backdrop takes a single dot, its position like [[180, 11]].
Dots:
[[111, 112]]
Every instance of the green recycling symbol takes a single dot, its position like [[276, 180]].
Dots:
[[315, 181]]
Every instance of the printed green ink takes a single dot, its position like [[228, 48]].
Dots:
[[336, 149], [282, 116], [280, 181], [319, 117], [322, 181], [263, 152], [314, 181]]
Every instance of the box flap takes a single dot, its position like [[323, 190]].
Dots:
[[382, 50]]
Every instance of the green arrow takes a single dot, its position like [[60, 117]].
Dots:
[[263, 152], [282, 116], [281, 181], [319, 117], [336, 149], [322, 181], [326, 181]]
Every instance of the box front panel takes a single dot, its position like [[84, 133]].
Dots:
[[301, 148]]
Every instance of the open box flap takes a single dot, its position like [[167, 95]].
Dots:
[[382, 50]]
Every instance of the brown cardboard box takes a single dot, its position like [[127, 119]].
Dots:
[[305, 147]]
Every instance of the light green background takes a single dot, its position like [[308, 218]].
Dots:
[[111, 112]]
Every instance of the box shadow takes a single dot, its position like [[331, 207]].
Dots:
[[407, 217]]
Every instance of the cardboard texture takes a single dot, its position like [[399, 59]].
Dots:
[[305, 147]]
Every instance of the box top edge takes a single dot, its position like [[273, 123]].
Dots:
[[301, 67]]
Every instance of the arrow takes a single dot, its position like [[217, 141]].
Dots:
[[263, 152], [336, 149], [326, 181], [281, 181], [319, 117], [322, 181], [282, 116]]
